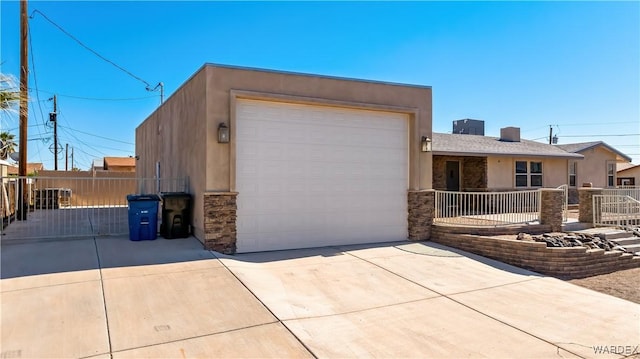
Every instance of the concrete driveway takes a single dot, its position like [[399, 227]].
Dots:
[[109, 297]]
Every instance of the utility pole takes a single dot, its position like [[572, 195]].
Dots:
[[550, 133], [53, 117], [72, 165], [22, 193], [66, 158]]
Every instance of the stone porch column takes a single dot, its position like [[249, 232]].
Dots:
[[220, 221], [586, 194], [552, 203], [421, 205]]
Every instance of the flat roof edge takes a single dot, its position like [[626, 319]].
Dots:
[[248, 68]]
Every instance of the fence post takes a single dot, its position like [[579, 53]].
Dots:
[[552, 207], [586, 203], [421, 207]]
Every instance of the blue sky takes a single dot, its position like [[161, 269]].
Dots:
[[572, 65]]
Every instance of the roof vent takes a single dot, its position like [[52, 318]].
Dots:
[[510, 134]]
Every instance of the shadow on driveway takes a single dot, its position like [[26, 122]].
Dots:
[[35, 257], [426, 248]]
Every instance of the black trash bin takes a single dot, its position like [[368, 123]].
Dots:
[[176, 215]]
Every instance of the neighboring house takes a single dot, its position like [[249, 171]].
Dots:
[[465, 162], [599, 167], [32, 169], [119, 164], [279, 160], [4, 167], [628, 174], [98, 164]]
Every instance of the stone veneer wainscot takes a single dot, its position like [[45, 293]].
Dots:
[[421, 206], [220, 221]]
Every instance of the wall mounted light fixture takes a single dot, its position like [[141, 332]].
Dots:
[[223, 133], [425, 144]]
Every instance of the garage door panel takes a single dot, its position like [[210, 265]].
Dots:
[[311, 176]]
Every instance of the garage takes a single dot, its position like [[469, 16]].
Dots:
[[281, 160], [313, 175]]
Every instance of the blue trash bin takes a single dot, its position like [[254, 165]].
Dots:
[[143, 216]]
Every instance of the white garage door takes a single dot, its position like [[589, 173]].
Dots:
[[312, 176]]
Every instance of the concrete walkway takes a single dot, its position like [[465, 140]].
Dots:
[[112, 298]]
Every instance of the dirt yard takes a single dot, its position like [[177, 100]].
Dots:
[[622, 284]]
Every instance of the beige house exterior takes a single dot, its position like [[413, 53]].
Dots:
[[32, 169], [628, 174], [119, 164], [464, 162], [283, 179], [598, 168]]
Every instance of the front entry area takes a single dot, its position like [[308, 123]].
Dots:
[[453, 175], [311, 175]]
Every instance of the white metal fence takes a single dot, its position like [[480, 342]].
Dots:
[[631, 191], [487, 209], [616, 210], [73, 207]]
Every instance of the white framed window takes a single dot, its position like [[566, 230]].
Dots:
[[611, 174], [573, 173], [528, 174]]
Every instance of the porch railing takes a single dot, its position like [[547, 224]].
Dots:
[[631, 191], [487, 209], [616, 210], [74, 206]]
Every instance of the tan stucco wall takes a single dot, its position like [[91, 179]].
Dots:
[[175, 136], [182, 133], [633, 172], [501, 171], [225, 85], [593, 168]]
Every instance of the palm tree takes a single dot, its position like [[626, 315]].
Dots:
[[7, 144], [9, 96]]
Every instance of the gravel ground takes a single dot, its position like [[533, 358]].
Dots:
[[623, 284]]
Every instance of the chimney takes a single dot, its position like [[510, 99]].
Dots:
[[510, 134]]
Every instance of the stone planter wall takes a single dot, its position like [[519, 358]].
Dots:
[[566, 263]]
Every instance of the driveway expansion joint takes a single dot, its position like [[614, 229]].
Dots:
[[468, 306], [104, 299], [269, 310], [195, 337]]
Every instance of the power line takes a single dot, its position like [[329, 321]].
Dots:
[[597, 124], [98, 136], [579, 124], [88, 48], [100, 99], [619, 135], [35, 79]]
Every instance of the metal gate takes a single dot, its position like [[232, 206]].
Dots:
[[58, 207]]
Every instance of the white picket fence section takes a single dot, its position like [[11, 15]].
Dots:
[[487, 209], [616, 210], [74, 207]]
